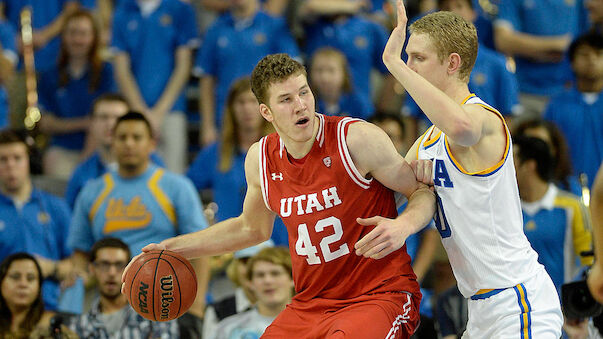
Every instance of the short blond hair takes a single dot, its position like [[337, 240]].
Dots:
[[450, 33]]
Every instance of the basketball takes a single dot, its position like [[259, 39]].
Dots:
[[161, 285]]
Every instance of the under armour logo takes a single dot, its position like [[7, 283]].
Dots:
[[327, 161], [278, 176]]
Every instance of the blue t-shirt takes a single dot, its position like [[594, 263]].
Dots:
[[9, 50], [228, 188], [151, 43], [73, 100], [92, 168], [558, 229], [350, 104], [40, 227], [44, 12], [536, 18], [581, 122], [232, 48], [149, 208], [360, 40]]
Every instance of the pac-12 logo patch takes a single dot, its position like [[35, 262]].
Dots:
[[327, 161]]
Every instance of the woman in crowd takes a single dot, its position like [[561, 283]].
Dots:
[[67, 91]]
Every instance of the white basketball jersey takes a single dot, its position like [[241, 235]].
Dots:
[[479, 217]]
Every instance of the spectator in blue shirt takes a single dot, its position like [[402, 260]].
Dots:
[[152, 42], [67, 90], [138, 203], [578, 111], [232, 46], [106, 109], [332, 84], [523, 30], [32, 220]]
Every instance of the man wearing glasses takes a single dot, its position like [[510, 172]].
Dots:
[[110, 315]]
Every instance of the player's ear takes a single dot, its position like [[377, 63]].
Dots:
[[454, 63], [266, 112]]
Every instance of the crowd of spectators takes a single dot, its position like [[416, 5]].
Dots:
[[147, 106]]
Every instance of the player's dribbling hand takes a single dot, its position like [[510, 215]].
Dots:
[[147, 248], [387, 237], [395, 43]]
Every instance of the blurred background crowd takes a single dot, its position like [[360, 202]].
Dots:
[[126, 122]]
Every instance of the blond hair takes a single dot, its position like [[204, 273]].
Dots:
[[272, 69], [277, 255], [450, 33]]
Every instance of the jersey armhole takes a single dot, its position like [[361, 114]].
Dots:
[[344, 154], [262, 168]]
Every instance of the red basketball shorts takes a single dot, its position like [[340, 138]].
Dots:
[[379, 316]]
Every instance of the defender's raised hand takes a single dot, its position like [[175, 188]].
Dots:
[[395, 43]]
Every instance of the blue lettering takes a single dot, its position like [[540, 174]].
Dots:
[[441, 177]]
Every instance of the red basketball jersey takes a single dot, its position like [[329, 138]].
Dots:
[[319, 198]]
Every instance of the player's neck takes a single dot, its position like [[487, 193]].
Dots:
[[534, 191], [589, 85], [458, 91], [111, 305]]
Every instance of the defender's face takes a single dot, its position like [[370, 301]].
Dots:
[[14, 166], [291, 108], [423, 59]]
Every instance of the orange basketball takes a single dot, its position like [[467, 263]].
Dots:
[[161, 285]]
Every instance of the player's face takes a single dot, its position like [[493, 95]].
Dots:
[[271, 283], [460, 7], [588, 63], [104, 117], [14, 166], [79, 37], [291, 109], [247, 111], [595, 10], [132, 144], [107, 268], [327, 76], [20, 287], [423, 59]]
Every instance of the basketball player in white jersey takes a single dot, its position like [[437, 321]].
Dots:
[[478, 207]]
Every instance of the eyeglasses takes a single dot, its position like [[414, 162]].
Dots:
[[105, 266]]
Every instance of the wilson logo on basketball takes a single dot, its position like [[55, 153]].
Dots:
[[166, 296], [142, 297]]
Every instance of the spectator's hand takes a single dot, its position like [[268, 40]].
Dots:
[[595, 282], [155, 119], [576, 329], [209, 134], [48, 266], [387, 237], [423, 171]]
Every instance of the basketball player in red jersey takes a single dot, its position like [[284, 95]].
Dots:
[[329, 178]]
